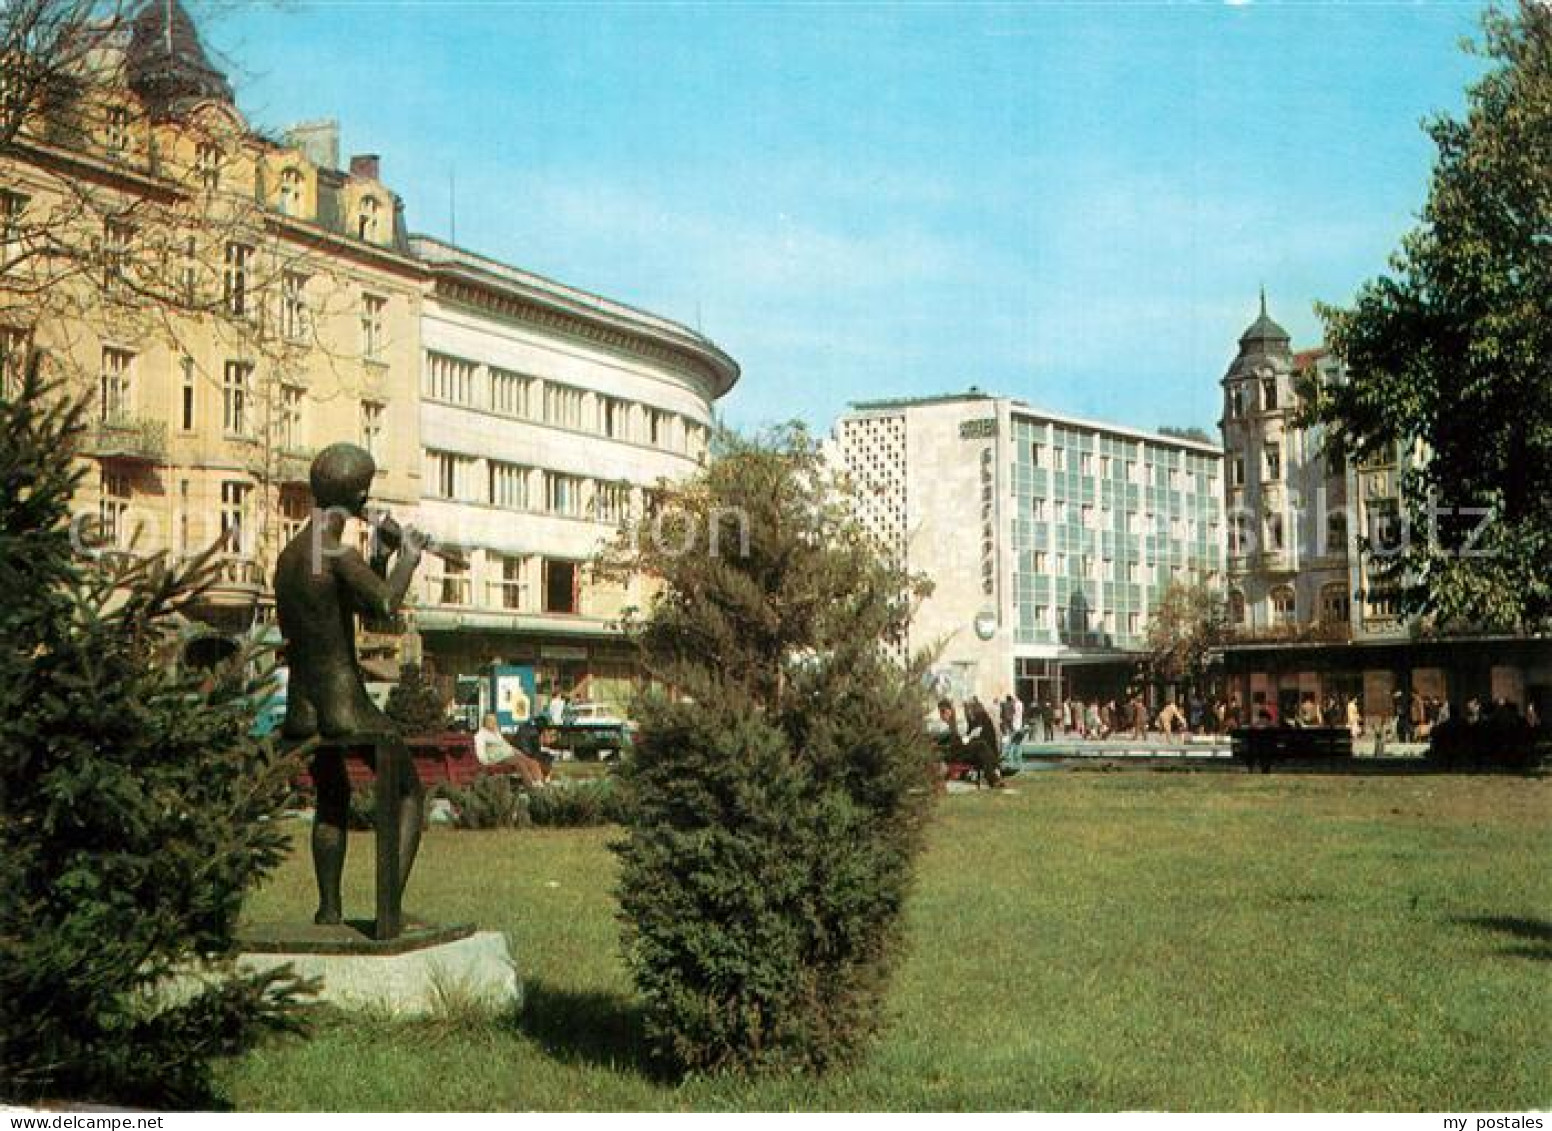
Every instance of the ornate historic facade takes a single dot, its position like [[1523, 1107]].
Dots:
[[227, 302]]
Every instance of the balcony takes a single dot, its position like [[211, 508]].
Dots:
[[239, 578], [1322, 632], [286, 466], [127, 437]]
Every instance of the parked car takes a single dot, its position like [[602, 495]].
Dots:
[[593, 730]]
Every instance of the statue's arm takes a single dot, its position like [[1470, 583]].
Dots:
[[377, 596]]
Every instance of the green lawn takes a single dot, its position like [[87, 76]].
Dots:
[[1093, 941]]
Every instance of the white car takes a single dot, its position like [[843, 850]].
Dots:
[[586, 713]]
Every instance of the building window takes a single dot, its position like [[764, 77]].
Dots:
[[113, 510], [372, 429], [562, 493], [1035, 450], [373, 307], [1274, 462], [1236, 607], [1237, 471], [1335, 604], [288, 200], [235, 535], [13, 359], [236, 392], [1336, 463], [1283, 611], [234, 287], [449, 476], [291, 399], [295, 509], [448, 379], [508, 485], [562, 405], [614, 417], [117, 237], [611, 502], [186, 392], [1336, 532], [115, 392], [188, 271], [511, 394], [1236, 402], [1269, 393], [1240, 535], [560, 586], [1086, 465], [367, 219], [454, 586], [1133, 624], [13, 208], [117, 133], [513, 591], [1274, 533], [207, 165], [185, 540], [295, 320]]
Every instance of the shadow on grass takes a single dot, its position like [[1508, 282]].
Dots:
[[1536, 932], [589, 1027]]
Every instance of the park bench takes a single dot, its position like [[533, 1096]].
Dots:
[[1263, 746], [439, 758]]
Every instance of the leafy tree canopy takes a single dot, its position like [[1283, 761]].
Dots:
[[1450, 355]]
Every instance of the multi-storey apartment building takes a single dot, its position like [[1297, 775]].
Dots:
[[226, 301], [1048, 538], [1308, 613], [547, 415]]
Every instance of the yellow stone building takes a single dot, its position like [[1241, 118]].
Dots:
[[227, 302]]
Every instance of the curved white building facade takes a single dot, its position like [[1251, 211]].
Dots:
[[547, 415]]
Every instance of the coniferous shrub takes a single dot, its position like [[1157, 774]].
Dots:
[[134, 807], [775, 800], [415, 704]]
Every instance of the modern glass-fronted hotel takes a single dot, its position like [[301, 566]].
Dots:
[[1049, 538]]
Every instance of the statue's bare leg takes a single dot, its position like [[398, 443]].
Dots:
[[412, 816], [329, 824]]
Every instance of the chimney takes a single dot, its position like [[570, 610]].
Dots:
[[364, 165], [318, 141]]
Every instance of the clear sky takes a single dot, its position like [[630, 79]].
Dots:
[[1074, 204]]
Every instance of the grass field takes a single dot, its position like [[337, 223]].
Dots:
[[1090, 942]]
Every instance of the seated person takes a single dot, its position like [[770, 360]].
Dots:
[[492, 749]]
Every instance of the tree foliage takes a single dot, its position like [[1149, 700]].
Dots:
[[1450, 355], [1188, 433], [1184, 630], [775, 794], [134, 807]]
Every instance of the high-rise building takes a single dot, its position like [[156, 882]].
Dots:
[[1049, 539]]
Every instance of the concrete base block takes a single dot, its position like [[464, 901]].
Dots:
[[476, 970]]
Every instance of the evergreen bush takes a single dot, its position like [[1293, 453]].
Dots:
[[135, 809], [775, 800], [415, 704]]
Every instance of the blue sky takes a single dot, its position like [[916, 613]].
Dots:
[[1074, 204]]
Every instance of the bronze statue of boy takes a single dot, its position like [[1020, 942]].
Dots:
[[321, 586]]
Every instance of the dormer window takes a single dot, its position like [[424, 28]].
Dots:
[[367, 219], [1269, 393], [288, 200]]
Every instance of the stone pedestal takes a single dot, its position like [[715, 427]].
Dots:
[[418, 973]]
